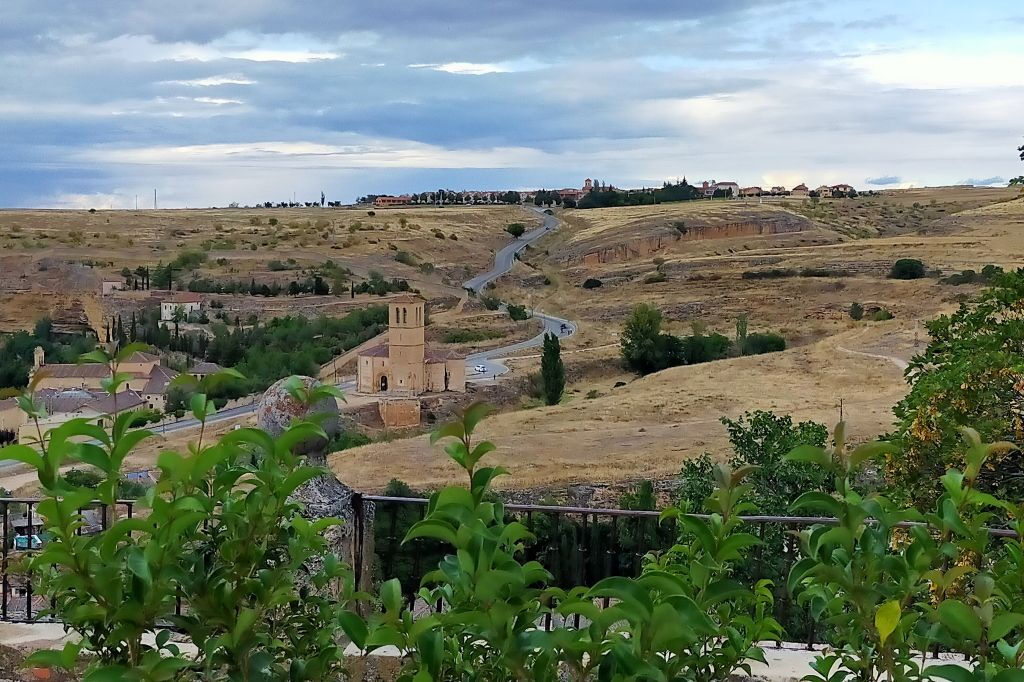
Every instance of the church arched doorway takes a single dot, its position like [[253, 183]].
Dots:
[[383, 383]]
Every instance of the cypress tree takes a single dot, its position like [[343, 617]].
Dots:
[[552, 370]]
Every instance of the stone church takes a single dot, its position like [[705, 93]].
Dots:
[[404, 366]]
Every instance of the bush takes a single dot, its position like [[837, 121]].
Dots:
[[774, 273], [882, 315], [491, 302], [406, 258], [592, 283], [655, 278], [856, 311], [470, 335], [758, 343], [907, 268], [517, 312], [516, 229]]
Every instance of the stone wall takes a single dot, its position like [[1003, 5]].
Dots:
[[399, 413]]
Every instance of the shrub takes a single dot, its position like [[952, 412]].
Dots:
[[491, 302], [856, 311], [758, 343], [592, 283], [516, 229], [406, 258], [907, 268], [517, 312], [882, 315], [655, 278], [774, 273], [470, 335], [272, 221]]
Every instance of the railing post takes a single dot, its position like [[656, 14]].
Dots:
[[357, 551]]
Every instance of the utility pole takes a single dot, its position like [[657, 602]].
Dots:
[[154, 198], [840, 409]]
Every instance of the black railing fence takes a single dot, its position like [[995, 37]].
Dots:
[[578, 545], [581, 545], [23, 534]]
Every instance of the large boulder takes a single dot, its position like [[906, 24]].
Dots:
[[278, 409], [324, 496]]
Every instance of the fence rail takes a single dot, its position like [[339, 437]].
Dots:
[[578, 545], [581, 545]]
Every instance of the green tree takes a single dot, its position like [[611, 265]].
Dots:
[[552, 370], [516, 229], [856, 311], [907, 268], [640, 339], [971, 373], [741, 334]]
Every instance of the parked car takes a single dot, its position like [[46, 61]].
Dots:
[[480, 369]]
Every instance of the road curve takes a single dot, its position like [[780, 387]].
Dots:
[[504, 259]]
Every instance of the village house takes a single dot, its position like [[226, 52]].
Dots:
[[385, 201], [751, 192], [109, 286], [189, 303], [800, 191]]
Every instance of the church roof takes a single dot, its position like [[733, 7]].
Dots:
[[406, 298], [375, 352], [441, 355]]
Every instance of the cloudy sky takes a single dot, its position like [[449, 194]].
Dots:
[[252, 100]]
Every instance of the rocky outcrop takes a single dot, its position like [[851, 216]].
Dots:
[[324, 496], [622, 248]]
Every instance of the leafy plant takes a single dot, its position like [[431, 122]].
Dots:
[[219, 533]]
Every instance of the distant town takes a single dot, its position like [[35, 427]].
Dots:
[[572, 197]]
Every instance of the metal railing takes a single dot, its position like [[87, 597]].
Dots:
[[22, 535], [581, 545], [578, 545]]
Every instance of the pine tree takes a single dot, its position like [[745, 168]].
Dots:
[[741, 334], [552, 370], [134, 331]]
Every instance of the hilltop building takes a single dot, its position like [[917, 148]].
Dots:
[[404, 366]]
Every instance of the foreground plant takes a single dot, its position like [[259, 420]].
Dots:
[[216, 534], [893, 584]]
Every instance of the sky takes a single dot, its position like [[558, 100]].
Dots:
[[262, 100]]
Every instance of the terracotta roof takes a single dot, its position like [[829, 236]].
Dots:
[[375, 352], [800, 186], [204, 368], [126, 400], [139, 356], [88, 370], [406, 298], [184, 297], [159, 377]]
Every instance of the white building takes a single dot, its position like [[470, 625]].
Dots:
[[187, 301]]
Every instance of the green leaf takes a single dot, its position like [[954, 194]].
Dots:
[[432, 528], [449, 430], [811, 454], [23, 454], [138, 565], [1003, 624], [474, 413], [391, 595], [354, 627], [1009, 675], [870, 451], [953, 673], [960, 619], [887, 618]]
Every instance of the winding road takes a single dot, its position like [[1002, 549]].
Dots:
[[504, 259]]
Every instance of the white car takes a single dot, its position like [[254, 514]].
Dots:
[[480, 369]]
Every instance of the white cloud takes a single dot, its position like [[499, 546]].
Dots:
[[933, 69], [213, 81], [242, 45], [98, 200], [220, 101], [356, 152], [482, 68]]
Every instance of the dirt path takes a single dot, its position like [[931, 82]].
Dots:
[[899, 362]]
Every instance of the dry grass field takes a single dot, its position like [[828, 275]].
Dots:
[[46, 252], [646, 428]]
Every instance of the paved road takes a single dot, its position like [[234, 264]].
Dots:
[[504, 259]]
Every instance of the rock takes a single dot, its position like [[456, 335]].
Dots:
[[324, 496], [278, 409]]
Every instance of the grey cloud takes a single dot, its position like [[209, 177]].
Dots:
[[883, 180], [994, 180]]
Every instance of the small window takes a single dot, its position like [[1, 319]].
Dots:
[[404, 316]]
